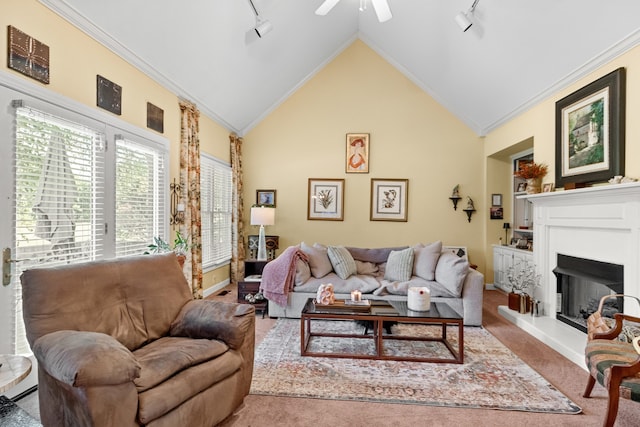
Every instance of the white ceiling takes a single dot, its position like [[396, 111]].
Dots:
[[516, 53]]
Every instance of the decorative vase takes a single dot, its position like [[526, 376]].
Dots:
[[514, 301], [534, 185]]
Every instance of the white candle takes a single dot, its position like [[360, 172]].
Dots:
[[356, 295]]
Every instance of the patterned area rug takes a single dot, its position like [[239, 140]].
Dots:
[[492, 377]]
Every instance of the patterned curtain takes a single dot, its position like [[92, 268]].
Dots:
[[190, 182], [237, 227]]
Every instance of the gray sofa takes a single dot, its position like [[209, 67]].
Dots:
[[381, 273]]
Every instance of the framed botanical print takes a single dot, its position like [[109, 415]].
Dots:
[[389, 199], [325, 199], [590, 130], [357, 158]]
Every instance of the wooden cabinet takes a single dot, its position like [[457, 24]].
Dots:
[[251, 284], [505, 257]]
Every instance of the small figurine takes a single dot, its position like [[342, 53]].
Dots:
[[455, 191], [469, 204], [325, 294], [619, 179]]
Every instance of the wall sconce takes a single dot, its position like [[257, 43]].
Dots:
[[469, 209], [455, 197], [506, 227], [262, 216], [177, 208]]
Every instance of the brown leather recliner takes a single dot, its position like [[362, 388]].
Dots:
[[122, 342]]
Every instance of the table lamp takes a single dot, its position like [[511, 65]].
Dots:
[[262, 216], [506, 227]]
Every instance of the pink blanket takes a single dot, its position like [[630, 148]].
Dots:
[[278, 276]]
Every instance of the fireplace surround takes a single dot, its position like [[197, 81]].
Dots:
[[599, 223]]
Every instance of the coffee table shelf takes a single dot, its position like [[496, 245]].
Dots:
[[382, 311]]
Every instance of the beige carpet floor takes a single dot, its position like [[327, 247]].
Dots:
[[570, 379]]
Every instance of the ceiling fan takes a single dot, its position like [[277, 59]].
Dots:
[[380, 6]]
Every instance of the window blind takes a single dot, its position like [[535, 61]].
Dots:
[[215, 206]]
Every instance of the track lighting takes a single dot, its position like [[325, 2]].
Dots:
[[383, 11], [462, 18], [263, 26]]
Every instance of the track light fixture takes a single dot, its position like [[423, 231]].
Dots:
[[383, 11], [263, 26], [462, 18]]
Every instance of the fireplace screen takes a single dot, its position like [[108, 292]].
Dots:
[[581, 283]]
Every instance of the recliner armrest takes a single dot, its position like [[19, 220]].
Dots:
[[83, 359], [227, 322]]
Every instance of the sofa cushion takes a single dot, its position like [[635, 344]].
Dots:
[[318, 259], [451, 271], [303, 272], [363, 283], [367, 268], [399, 265], [425, 259], [342, 261], [167, 356]]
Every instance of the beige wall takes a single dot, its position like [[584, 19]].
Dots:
[[412, 137], [538, 125], [76, 59]]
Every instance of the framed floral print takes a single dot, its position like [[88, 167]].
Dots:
[[357, 158], [326, 199], [389, 199]]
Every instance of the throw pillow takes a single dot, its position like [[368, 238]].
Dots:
[[367, 268], [426, 259], [451, 272], [399, 265], [303, 272], [318, 260], [342, 261]]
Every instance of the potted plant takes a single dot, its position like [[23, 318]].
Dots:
[[180, 247], [533, 173], [523, 279]]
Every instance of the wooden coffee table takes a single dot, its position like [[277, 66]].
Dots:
[[384, 311]]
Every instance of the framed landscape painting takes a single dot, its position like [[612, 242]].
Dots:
[[590, 128], [389, 199], [326, 199]]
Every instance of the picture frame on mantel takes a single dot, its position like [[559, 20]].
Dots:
[[590, 129]]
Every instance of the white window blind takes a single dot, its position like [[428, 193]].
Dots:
[[140, 196], [215, 206], [59, 196]]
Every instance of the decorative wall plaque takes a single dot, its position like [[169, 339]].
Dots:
[[155, 118], [27, 55], [109, 95]]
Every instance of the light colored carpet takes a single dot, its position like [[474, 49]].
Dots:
[[492, 377]]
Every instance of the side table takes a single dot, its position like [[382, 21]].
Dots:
[[251, 284], [13, 370]]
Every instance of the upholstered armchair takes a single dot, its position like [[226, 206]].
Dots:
[[123, 343], [613, 359]]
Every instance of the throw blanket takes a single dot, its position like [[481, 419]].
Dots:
[[278, 276]]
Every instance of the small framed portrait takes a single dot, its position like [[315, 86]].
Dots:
[[522, 186], [357, 158], [266, 198], [496, 212], [547, 187], [496, 200]]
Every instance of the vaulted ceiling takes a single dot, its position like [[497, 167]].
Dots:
[[516, 53]]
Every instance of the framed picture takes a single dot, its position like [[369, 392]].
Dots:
[[389, 199], [547, 187], [496, 212], [590, 131], [326, 199], [357, 158], [522, 186], [266, 198], [496, 200], [28, 55]]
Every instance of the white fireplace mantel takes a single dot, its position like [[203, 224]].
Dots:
[[600, 223]]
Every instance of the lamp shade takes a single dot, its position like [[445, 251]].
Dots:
[[263, 216], [463, 21], [506, 226]]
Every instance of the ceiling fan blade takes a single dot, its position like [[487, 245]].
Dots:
[[326, 7], [382, 10]]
